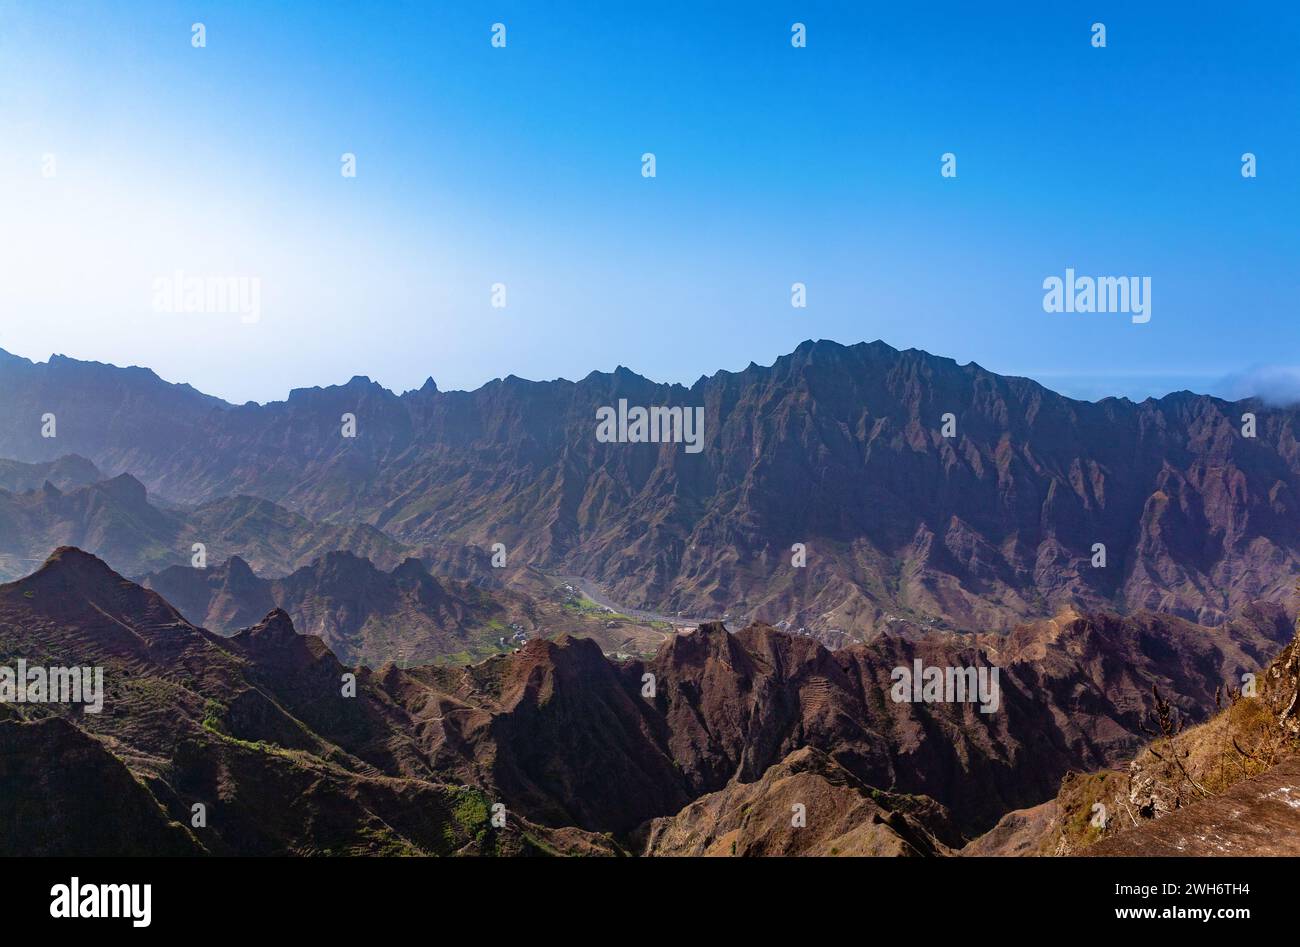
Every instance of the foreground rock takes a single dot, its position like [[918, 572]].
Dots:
[[1224, 786], [805, 805], [1257, 816]]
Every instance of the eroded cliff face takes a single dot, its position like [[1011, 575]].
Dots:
[[839, 448]]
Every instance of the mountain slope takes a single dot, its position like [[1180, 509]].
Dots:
[[76, 798], [571, 739], [238, 726], [66, 472], [1256, 816], [115, 519], [575, 745], [405, 615], [839, 816], [839, 448], [363, 614], [1217, 786]]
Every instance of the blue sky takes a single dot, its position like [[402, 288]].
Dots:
[[521, 165]]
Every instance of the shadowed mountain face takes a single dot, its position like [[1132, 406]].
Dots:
[[573, 743], [839, 448], [66, 794], [1226, 785], [737, 704], [239, 726]]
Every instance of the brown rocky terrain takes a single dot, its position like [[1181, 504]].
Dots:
[[835, 447], [66, 794], [737, 704], [585, 753], [1225, 786], [1020, 832], [254, 728], [1256, 816], [840, 816]]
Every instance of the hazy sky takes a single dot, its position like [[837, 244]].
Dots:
[[522, 165]]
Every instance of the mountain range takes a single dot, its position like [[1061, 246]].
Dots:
[[841, 449], [583, 758], [854, 511], [406, 615], [116, 518]]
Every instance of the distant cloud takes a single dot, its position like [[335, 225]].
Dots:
[[1274, 384]]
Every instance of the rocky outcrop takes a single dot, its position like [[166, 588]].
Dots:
[[1256, 816], [805, 805], [1216, 780]]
